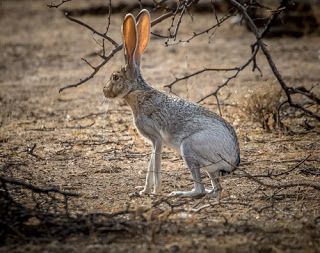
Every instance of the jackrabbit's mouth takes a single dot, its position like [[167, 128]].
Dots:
[[108, 93]]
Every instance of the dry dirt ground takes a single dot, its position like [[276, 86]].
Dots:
[[88, 145]]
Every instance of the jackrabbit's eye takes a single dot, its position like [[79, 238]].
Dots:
[[115, 77]]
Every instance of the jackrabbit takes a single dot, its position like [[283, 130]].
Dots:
[[203, 139]]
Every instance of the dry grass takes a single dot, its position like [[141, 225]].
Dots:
[[262, 105]]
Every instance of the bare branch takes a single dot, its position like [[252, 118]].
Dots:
[[219, 22], [111, 54], [313, 185], [103, 35], [86, 61], [108, 18], [34, 188], [170, 85], [95, 70], [53, 5], [161, 18], [305, 92], [179, 22], [225, 83], [254, 178], [270, 174], [288, 90]]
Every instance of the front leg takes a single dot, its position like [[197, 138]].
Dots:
[[150, 176], [154, 170], [157, 149]]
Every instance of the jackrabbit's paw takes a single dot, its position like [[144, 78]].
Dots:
[[192, 194], [144, 191], [213, 193]]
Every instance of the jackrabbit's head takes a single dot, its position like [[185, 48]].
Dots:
[[136, 35]]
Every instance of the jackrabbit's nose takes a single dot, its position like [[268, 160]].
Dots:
[[106, 91]]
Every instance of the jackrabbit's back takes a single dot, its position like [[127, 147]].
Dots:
[[176, 119]]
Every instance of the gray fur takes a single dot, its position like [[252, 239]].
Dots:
[[204, 139]]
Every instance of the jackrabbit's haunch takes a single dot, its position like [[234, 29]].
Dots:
[[204, 139]]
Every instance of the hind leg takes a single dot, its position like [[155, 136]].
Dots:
[[216, 187], [213, 171], [198, 189], [192, 160]]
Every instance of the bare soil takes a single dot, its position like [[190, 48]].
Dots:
[[89, 145]]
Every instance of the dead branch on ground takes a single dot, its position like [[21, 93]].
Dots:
[[52, 217], [270, 175]]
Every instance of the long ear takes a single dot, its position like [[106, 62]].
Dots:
[[129, 39], [143, 31]]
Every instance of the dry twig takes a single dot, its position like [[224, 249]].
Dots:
[[57, 5]]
